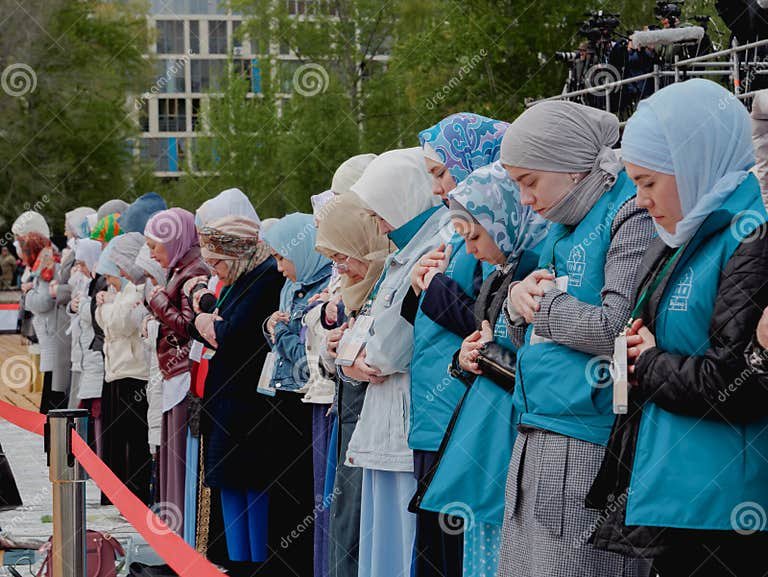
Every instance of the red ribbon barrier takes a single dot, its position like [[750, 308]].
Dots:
[[182, 558], [27, 420]]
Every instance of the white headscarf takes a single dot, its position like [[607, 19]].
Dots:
[[396, 186], [230, 202], [88, 251], [30, 221], [349, 172], [76, 221]]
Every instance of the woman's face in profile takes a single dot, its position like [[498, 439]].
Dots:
[[540, 189], [442, 180], [657, 193]]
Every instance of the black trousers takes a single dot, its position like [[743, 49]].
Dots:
[[125, 430], [722, 554], [436, 553], [51, 399]]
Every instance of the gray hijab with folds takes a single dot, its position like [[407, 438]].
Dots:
[[561, 136]]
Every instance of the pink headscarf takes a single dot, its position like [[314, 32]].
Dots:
[[175, 230]]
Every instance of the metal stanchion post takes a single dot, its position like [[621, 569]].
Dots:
[[68, 483]]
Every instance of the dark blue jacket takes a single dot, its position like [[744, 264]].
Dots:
[[236, 423]]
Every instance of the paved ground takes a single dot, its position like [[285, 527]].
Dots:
[[25, 454]]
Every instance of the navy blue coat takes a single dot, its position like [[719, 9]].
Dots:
[[236, 421]]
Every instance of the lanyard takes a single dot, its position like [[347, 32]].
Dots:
[[650, 289], [551, 266], [223, 296], [369, 302]]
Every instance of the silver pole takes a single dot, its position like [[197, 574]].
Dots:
[[68, 481]]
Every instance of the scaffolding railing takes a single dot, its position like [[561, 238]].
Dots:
[[679, 69]]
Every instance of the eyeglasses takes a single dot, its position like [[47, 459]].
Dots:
[[342, 262], [212, 264]]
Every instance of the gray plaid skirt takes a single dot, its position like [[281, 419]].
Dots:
[[546, 525]]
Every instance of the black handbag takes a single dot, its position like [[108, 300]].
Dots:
[[496, 362], [9, 492]]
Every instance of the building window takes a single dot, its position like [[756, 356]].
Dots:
[[170, 37], [205, 74], [172, 114], [166, 154], [170, 75], [194, 36], [196, 115], [144, 116], [286, 70], [217, 36], [237, 39], [188, 7]]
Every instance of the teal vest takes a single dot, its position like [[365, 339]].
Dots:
[[472, 470], [689, 472], [560, 389], [434, 393]]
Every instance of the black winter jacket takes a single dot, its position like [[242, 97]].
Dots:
[[691, 385]]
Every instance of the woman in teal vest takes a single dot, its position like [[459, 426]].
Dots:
[[564, 317], [453, 148], [468, 480], [686, 479]]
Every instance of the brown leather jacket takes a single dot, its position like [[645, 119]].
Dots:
[[173, 311]]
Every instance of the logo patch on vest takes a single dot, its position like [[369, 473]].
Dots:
[[577, 263], [678, 301], [500, 330]]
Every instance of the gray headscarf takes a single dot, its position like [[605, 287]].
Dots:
[[562, 136], [110, 207], [151, 266], [125, 249]]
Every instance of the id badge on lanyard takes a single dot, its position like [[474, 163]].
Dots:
[[353, 341], [265, 379], [620, 375]]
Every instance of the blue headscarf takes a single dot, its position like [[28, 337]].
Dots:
[[492, 198], [293, 237], [464, 142], [135, 217], [697, 131]]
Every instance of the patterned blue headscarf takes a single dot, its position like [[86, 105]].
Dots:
[[492, 198], [464, 142], [697, 131]]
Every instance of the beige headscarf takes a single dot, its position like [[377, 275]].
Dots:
[[236, 240], [346, 227]]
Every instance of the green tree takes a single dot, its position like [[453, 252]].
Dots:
[[65, 140]]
